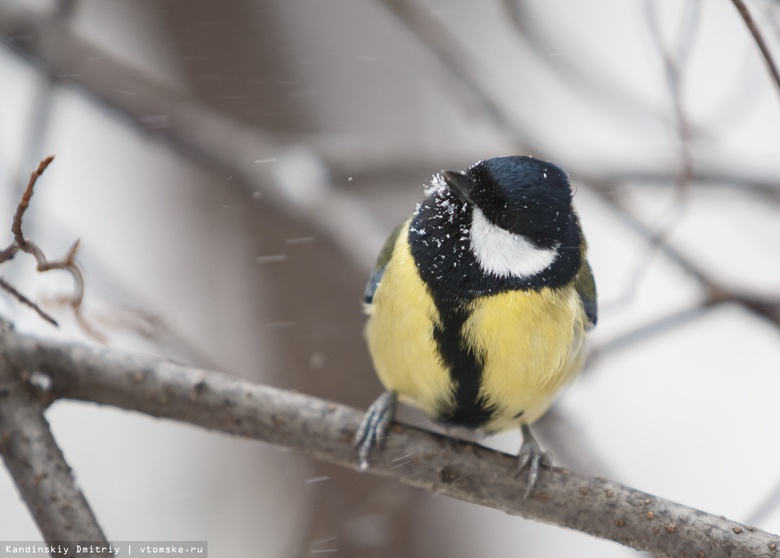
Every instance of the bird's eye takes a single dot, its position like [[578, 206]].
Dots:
[[506, 220]]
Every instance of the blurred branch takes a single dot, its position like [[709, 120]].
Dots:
[[755, 32], [18, 295], [205, 135], [222, 143], [324, 430], [582, 75], [663, 325], [767, 506], [768, 188], [608, 192], [715, 291], [674, 61], [40, 115], [461, 66], [448, 50], [37, 465]]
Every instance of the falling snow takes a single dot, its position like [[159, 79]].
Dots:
[[436, 186], [299, 240], [274, 258], [317, 479]]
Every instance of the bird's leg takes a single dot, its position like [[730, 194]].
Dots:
[[372, 429], [531, 456]]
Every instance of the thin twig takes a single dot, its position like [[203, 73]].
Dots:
[[766, 54], [674, 60], [452, 55], [67, 263], [607, 191], [324, 430], [454, 58], [713, 178], [658, 326], [24, 203], [715, 291], [8, 287], [576, 71]]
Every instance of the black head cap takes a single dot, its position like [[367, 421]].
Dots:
[[520, 194]]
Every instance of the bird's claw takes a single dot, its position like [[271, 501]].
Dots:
[[532, 457], [372, 429]]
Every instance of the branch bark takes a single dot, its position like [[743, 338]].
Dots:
[[324, 430], [38, 467]]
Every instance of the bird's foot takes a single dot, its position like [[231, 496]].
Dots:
[[531, 456], [372, 429]]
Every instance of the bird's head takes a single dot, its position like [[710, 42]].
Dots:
[[503, 223], [521, 211]]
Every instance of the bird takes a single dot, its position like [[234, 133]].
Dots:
[[479, 304]]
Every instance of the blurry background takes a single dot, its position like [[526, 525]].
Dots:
[[233, 167]]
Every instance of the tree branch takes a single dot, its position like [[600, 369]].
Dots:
[[324, 430], [755, 32], [67, 263], [212, 139], [460, 65], [37, 465]]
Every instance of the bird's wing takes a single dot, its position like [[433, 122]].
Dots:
[[586, 288], [381, 263]]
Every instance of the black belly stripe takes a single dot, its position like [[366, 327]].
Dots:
[[465, 366]]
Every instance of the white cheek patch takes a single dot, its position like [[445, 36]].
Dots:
[[504, 254]]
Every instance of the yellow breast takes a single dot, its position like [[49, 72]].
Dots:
[[400, 335], [531, 344]]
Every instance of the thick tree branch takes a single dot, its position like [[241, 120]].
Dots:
[[37, 465], [324, 430]]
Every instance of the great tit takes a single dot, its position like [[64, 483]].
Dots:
[[479, 303]]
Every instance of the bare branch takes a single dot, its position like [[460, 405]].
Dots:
[[203, 134], [24, 203], [324, 430], [223, 143], [766, 54], [21, 243], [8, 287], [67, 263], [584, 76], [664, 325], [673, 60], [37, 465], [454, 58]]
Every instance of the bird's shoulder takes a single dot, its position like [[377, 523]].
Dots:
[[585, 285], [381, 262]]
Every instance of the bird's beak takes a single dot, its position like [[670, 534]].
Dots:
[[460, 184]]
